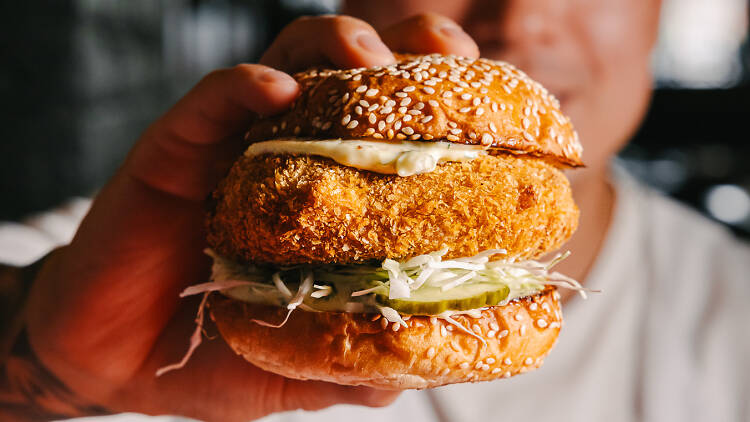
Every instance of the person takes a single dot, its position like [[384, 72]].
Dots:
[[667, 339]]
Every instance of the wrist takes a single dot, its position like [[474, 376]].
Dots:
[[28, 390]]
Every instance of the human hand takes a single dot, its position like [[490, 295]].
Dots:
[[104, 312]]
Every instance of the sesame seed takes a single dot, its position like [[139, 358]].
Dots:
[[375, 317], [443, 331], [455, 131], [390, 103], [397, 125], [406, 118], [447, 94], [476, 101], [402, 110], [419, 106], [427, 136], [485, 367], [400, 136], [373, 107], [326, 126], [390, 133], [346, 119], [369, 132], [401, 94], [364, 103], [477, 329], [361, 89], [433, 103], [450, 328], [507, 361], [453, 124], [486, 139], [430, 82], [415, 137], [431, 352], [533, 306], [415, 112], [522, 330], [381, 126], [528, 136], [385, 110], [390, 118], [407, 130], [486, 100], [491, 333], [502, 334], [452, 138], [528, 361], [526, 122], [518, 317], [506, 375], [429, 90], [358, 110], [490, 360], [352, 124], [396, 326], [493, 128], [541, 323], [464, 365], [405, 102], [409, 88], [372, 119], [554, 324], [496, 371], [464, 109], [479, 111], [494, 326], [479, 365], [372, 92], [465, 96], [527, 111]]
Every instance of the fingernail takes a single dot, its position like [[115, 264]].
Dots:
[[372, 43], [273, 76], [455, 32]]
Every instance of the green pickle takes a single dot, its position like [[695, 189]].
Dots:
[[432, 300]]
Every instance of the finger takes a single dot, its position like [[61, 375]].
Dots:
[[429, 33], [185, 152], [298, 395], [341, 41]]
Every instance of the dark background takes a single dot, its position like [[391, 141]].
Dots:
[[81, 79]]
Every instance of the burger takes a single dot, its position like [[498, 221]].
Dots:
[[386, 230]]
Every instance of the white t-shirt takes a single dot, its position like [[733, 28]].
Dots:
[[668, 339]]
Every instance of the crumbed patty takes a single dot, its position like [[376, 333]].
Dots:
[[284, 209]]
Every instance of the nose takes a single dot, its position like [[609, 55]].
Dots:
[[502, 26]]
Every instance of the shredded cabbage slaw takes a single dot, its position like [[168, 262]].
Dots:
[[352, 288]]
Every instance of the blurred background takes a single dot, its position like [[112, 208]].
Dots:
[[81, 79]]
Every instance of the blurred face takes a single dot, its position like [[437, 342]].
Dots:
[[593, 55]]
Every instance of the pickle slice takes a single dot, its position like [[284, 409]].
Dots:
[[432, 300]]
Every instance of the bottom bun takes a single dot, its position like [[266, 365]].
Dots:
[[365, 349]]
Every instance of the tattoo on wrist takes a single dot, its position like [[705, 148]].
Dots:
[[28, 391]]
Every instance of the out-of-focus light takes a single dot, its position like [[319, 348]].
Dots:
[[699, 43], [728, 203]]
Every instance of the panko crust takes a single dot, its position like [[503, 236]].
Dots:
[[284, 209], [364, 349], [429, 98]]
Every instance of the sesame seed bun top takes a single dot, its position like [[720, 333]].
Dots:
[[429, 98]]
